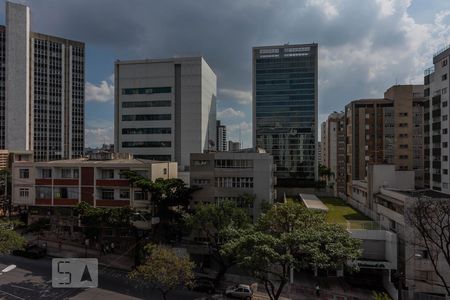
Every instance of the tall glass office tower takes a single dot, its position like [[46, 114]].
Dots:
[[285, 109]]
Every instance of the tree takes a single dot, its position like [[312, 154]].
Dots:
[[9, 239], [430, 219], [218, 223], [170, 199], [291, 236], [381, 296], [39, 226], [165, 270]]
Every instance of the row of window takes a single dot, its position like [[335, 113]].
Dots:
[[156, 130], [154, 90], [153, 117], [147, 144], [159, 103], [234, 182]]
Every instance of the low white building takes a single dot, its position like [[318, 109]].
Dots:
[[229, 175]]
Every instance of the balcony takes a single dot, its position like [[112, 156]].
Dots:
[[43, 181], [65, 202], [65, 182], [43, 201], [112, 182]]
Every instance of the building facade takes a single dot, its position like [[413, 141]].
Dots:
[[41, 90], [234, 146], [96, 180], [333, 150], [436, 115], [285, 108], [230, 175], [386, 131], [165, 109], [221, 133]]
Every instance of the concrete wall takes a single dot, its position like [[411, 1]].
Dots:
[[17, 92]]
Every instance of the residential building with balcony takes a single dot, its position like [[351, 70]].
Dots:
[[229, 175], [97, 180]]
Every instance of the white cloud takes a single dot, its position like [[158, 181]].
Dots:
[[327, 7], [103, 92], [230, 113], [243, 97], [99, 132], [244, 127]]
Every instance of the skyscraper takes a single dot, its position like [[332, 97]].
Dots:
[[41, 90], [165, 109], [285, 109], [221, 143]]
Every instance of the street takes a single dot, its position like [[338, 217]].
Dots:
[[32, 280]]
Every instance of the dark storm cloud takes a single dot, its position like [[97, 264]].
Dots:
[[365, 46]]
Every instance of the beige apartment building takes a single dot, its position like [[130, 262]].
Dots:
[[333, 150], [387, 130]]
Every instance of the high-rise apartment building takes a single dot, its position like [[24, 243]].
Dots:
[[385, 131], [165, 109], [333, 150], [234, 146], [436, 123], [322, 146], [41, 90], [221, 133], [285, 108]]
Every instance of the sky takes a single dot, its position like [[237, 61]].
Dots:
[[365, 46]]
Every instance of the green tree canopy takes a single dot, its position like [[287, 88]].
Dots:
[[218, 223], [9, 239], [164, 270], [290, 235]]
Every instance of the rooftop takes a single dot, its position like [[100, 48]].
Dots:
[[421, 193], [312, 202]]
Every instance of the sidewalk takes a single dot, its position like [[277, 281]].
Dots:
[[110, 260]]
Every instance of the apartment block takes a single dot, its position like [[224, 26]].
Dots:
[[221, 133], [388, 130], [41, 90], [285, 113], [96, 180], [234, 146], [333, 150], [165, 109], [230, 175], [436, 127]]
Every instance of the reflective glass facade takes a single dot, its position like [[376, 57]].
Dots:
[[285, 107]]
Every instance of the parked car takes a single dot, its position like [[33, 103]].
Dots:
[[31, 251], [242, 291], [204, 286]]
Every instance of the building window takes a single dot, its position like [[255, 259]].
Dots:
[[234, 163], [24, 192], [445, 171], [444, 91], [165, 171], [403, 156], [444, 131], [24, 173], [76, 173], [200, 182], [162, 130], [234, 182], [160, 103], [147, 144], [108, 174], [66, 173], [444, 63], [444, 104], [108, 194], [138, 195], [201, 163], [153, 90], [43, 192], [444, 77], [403, 114], [404, 146], [46, 173], [124, 194], [444, 144], [444, 118], [403, 124], [152, 117], [445, 158]]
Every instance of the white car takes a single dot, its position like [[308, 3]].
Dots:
[[241, 291]]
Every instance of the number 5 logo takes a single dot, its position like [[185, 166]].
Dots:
[[68, 273]]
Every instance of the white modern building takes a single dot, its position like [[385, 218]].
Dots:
[[231, 175], [165, 109], [41, 90]]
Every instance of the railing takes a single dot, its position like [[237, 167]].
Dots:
[[444, 48], [428, 71]]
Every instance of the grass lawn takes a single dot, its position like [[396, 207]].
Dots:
[[341, 212]]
